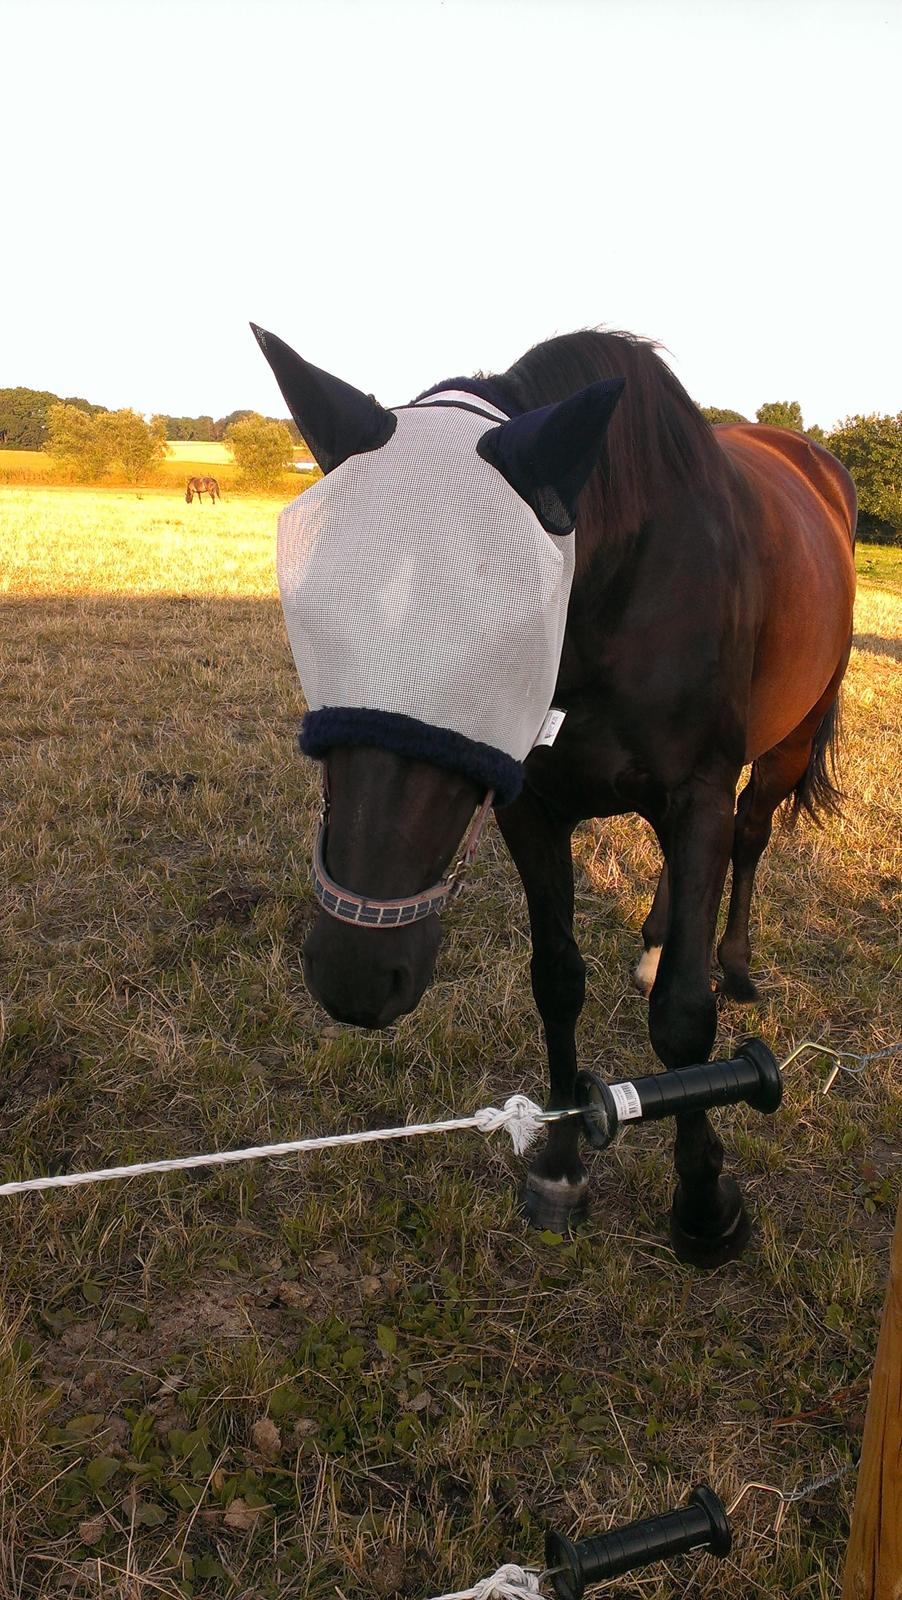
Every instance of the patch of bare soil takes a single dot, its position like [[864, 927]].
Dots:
[[234, 903], [163, 782], [300, 924], [94, 1356], [32, 1080]]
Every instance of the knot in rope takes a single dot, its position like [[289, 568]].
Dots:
[[509, 1582], [519, 1115]]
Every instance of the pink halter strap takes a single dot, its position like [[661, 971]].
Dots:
[[364, 912]]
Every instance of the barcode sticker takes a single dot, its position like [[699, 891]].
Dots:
[[626, 1099], [551, 727]]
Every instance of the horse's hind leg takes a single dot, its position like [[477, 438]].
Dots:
[[654, 932], [774, 777], [771, 781]]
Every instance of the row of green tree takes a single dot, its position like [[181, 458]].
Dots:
[[24, 412], [91, 442], [208, 431], [91, 445], [25, 420], [871, 448]]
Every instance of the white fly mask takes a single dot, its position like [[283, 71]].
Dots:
[[425, 580]]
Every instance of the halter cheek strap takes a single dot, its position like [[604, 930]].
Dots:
[[363, 912]]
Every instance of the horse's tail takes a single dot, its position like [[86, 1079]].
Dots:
[[817, 792]]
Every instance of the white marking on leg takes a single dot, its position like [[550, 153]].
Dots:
[[555, 1188], [647, 968]]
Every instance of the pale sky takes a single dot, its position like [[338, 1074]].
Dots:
[[408, 191]]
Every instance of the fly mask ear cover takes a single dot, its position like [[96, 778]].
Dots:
[[425, 602]]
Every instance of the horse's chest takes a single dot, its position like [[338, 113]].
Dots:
[[596, 766]]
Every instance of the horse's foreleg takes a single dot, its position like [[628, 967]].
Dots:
[[556, 1189], [709, 1223]]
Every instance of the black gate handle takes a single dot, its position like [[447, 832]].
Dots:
[[700, 1525], [751, 1075]]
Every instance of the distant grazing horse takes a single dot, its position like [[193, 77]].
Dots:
[[709, 626], [200, 487]]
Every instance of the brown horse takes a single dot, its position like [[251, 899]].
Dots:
[[200, 487], [709, 626]]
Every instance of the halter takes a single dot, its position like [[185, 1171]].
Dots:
[[363, 912]]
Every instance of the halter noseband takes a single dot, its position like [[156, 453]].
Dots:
[[363, 912]]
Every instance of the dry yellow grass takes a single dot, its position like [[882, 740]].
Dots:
[[195, 451], [212, 452], [437, 1384], [134, 542], [185, 459]]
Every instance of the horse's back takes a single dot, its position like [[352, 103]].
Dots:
[[826, 476], [803, 530]]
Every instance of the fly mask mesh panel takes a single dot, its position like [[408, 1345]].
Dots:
[[416, 581]]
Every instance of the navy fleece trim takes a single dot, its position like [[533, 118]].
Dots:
[[419, 741], [482, 387]]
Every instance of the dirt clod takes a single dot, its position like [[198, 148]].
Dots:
[[92, 1531], [241, 1517], [389, 1572], [234, 903], [267, 1439], [160, 782]]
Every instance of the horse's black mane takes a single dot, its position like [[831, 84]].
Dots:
[[658, 438]]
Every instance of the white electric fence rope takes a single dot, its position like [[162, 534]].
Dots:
[[522, 1118], [508, 1583]]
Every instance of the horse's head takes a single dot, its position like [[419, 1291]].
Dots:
[[189, 491], [424, 582], [393, 828]]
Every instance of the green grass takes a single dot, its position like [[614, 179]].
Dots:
[[881, 564], [359, 1375]]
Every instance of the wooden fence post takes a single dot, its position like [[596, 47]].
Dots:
[[874, 1555]]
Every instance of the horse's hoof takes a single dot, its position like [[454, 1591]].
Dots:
[[738, 986], [554, 1203], [717, 1240]]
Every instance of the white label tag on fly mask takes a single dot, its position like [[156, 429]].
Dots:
[[626, 1099], [551, 727]]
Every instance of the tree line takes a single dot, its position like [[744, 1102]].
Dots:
[[90, 447], [206, 431], [25, 420], [91, 441]]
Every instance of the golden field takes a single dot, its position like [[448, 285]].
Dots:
[[58, 541], [357, 1375], [184, 459], [212, 452]]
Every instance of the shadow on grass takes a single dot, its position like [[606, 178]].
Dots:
[[877, 646]]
